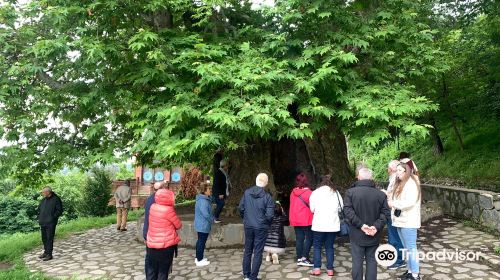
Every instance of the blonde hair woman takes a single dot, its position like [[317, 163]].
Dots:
[[405, 204]]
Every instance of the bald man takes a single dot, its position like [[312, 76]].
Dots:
[[49, 211]]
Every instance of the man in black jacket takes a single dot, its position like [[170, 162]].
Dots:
[[220, 188], [366, 211], [49, 211], [257, 210]]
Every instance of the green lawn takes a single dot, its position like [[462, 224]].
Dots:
[[477, 166], [12, 247]]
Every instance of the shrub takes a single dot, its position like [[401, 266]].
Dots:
[[96, 193], [122, 171], [18, 214], [7, 185], [190, 182], [69, 188]]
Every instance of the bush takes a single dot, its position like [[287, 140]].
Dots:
[[189, 183], [69, 188], [18, 214], [96, 194], [6, 186], [122, 171]]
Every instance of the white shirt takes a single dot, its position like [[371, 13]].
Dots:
[[324, 204]]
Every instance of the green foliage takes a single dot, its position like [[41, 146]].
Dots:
[[17, 215], [96, 193], [6, 186], [220, 73], [476, 167], [123, 172], [69, 187]]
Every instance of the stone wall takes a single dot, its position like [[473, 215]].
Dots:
[[227, 235], [482, 207]]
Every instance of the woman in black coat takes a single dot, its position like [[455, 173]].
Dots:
[[276, 242]]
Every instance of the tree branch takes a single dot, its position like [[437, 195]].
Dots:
[[49, 81]]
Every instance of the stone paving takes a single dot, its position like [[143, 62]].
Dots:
[[108, 254]]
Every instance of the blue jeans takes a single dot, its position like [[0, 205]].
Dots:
[[200, 245], [254, 244], [409, 238], [220, 204], [326, 239], [395, 241], [303, 236]]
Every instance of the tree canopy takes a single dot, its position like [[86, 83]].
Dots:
[[85, 81]]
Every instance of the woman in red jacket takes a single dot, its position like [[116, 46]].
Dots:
[[301, 219], [162, 237]]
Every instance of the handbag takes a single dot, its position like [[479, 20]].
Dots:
[[344, 227]]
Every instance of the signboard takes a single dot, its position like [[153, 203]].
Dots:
[[159, 176], [176, 177], [147, 176]]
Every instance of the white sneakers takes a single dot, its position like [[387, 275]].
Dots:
[[275, 259], [203, 262]]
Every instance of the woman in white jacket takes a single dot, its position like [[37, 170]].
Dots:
[[325, 203], [405, 204]]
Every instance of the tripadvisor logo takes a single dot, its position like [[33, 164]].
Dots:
[[386, 255]]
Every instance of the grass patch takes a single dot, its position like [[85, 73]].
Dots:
[[12, 247], [185, 203], [480, 227], [477, 167]]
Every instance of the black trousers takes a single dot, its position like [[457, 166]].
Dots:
[[159, 262], [359, 254], [48, 232]]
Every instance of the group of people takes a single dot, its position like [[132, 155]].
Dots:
[[315, 216]]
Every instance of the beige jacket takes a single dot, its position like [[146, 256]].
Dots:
[[122, 197], [409, 204]]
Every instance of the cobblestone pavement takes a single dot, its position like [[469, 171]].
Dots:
[[108, 254]]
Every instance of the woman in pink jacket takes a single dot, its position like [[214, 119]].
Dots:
[[301, 219], [162, 237]]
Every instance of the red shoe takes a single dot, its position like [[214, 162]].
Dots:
[[315, 272], [330, 272]]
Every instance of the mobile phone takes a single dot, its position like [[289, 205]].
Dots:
[[397, 212]]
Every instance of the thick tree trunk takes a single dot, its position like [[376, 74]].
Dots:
[[328, 155], [282, 160], [244, 165]]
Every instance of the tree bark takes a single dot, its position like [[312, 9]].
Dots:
[[244, 165], [438, 147], [450, 113], [325, 153]]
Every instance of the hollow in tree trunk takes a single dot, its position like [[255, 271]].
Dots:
[[325, 153]]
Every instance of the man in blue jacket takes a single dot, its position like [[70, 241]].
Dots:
[[257, 210]]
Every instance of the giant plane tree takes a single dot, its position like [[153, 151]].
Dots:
[[279, 88]]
